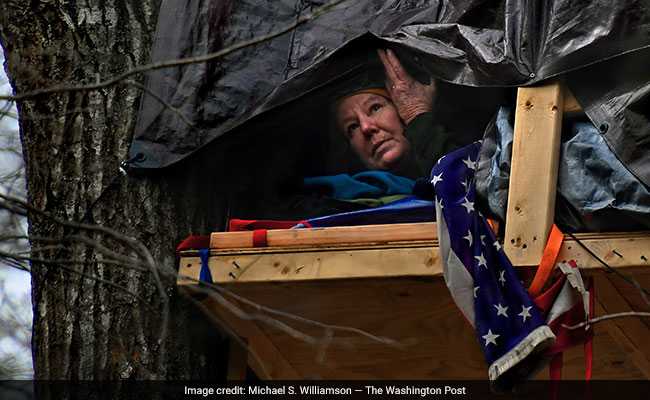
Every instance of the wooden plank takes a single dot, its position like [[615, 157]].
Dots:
[[610, 362], [533, 175], [264, 357], [629, 250], [316, 265], [188, 271], [419, 310], [571, 104], [622, 347], [630, 333], [632, 296], [322, 236], [237, 361], [619, 250], [417, 313], [320, 247]]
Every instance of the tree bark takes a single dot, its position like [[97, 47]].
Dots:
[[73, 144]]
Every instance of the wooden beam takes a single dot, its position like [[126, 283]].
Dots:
[[571, 104], [533, 175], [629, 250], [237, 361], [263, 356], [333, 235], [320, 265], [630, 333], [398, 285]]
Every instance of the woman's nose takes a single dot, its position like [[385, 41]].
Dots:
[[368, 125]]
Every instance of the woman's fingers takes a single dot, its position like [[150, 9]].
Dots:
[[409, 96], [399, 72], [388, 68], [395, 73]]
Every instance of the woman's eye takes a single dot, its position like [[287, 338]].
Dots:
[[375, 107], [352, 128]]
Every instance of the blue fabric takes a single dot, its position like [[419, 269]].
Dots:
[[481, 279], [590, 177], [367, 184], [410, 209], [205, 275]]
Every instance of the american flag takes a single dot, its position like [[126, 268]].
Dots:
[[509, 327]]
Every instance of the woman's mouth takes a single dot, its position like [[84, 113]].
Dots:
[[381, 147]]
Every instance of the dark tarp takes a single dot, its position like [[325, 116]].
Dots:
[[467, 42]]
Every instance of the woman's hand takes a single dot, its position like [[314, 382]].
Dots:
[[409, 96]]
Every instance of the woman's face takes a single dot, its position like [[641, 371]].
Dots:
[[374, 129]]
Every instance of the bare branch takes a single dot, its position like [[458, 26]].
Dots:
[[161, 101], [231, 333], [178, 62], [20, 206], [71, 261], [593, 321], [210, 289]]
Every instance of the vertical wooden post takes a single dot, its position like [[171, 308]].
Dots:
[[533, 175]]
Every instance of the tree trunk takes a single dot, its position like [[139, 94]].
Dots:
[[73, 143]]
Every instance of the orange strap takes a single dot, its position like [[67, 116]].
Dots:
[[549, 257], [494, 225]]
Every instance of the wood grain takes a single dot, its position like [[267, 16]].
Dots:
[[333, 235], [533, 176], [625, 250]]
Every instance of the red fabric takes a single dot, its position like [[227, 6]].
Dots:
[[253, 224], [259, 238], [589, 344], [194, 242], [555, 369], [566, 338], [545, 300]]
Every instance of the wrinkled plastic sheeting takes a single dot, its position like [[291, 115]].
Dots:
[[592, 183], [467, 42]]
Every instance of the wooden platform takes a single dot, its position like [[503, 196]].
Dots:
[[387, 282], [395, 289]]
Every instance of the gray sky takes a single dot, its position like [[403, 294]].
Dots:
[[15, 285]]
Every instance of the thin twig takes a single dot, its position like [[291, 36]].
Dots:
[[298, 318], [606, 317], [229, 331], [134, 244], [72, 261], [161, 101], [175, 63], [4, 113], [269, 310], [34, 116]]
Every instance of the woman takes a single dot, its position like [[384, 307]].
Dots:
[[392, 128]]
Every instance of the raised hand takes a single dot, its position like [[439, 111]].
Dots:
[[411, 97]]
